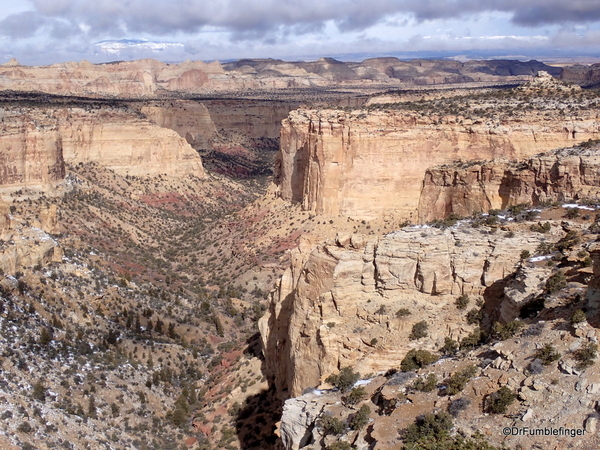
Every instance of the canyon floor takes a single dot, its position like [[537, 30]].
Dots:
[[187, 272]]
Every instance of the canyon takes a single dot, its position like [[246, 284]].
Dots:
[[190, 251], [366, 163]]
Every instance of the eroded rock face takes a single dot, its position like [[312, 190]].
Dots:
[[147, 77], [463, 189], [25, 244], [30, 156], [362, 165], [126, 145], [335, 306], [35, 145]]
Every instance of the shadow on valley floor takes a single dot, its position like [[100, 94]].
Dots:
[[256, 422]]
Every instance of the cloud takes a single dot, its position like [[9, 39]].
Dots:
[[244, 27], [164, 17], [22, 25]]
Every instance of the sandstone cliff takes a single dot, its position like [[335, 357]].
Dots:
[[126, 144], [466, 188], [335, 306], [151, 78], [30, 156], [364, 164], [35, 145]]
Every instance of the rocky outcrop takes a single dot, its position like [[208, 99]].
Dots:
[[335, 306], [364, 164], [126, 144], [30, 156], [124, 79], [466, 188], [25, 244], [35, 145]]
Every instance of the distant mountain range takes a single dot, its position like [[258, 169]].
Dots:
[[120, 46]]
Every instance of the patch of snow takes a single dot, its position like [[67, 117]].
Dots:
[[575, 205], [362, 382], [539, 258]]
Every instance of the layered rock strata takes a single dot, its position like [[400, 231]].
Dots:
[[336, 305], [25, 244], [364, 164], [36, 145], [466, 188], [151, 78]]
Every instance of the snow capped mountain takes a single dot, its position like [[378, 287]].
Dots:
[[117, 47]]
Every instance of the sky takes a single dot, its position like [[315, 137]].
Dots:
[[39, 32]]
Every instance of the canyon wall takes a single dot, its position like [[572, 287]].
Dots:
[[123, 79], [199, 120], [151, 78], [126, 144], [35, 145], [466, 188], [364, 164], [30, 157], [336, 305]]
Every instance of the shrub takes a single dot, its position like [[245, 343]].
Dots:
[[556, 282], [578, 317], [39, 391], [416, 359], [433, 427], [503, 332], [343, 380], [425, 385], [403, 312], [474, 339], [586, 356], [547, 354], [515, 210], [499, 401], [572, 213], [541, 227], [419, 330], [332, 424], [25, 427], [525, 254], [544, 248], [458, 405], [450, 347], [361, 418], [462, 302], [355, 395], [474, 316], [459, 380], [568, 241]]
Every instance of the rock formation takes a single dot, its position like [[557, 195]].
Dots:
[[35, 146], [30, 156], [466, 188], [126, 145], [335, 306], [364, 164], [150, 78], [23, 244]]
